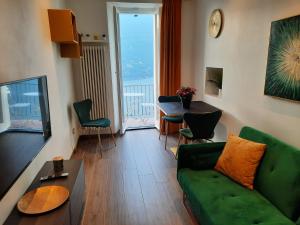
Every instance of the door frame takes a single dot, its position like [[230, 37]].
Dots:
[[113, 11]]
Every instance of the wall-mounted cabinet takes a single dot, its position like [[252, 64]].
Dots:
[[62, 26], [71, 50], [213, 81], [63, 31]]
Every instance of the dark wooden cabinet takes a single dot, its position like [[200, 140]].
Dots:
[[70, 213]]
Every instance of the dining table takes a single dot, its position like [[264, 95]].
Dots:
[[176, 109]]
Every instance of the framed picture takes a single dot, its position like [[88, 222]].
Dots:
[[283, 69]]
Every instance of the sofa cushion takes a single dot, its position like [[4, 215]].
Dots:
[[240, 159], [217, 200], [278, 177]]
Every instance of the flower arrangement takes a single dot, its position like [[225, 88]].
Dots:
[[186, 91], [186, 95]]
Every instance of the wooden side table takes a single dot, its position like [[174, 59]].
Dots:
[[70, 213]]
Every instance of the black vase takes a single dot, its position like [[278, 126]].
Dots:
[[186, 101]]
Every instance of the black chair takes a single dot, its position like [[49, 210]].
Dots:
[[83, 109], [167, 119], [200, 126]]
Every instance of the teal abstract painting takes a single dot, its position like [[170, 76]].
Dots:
[[283, 69]]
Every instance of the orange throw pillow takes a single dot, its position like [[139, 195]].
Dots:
[[240, 159]]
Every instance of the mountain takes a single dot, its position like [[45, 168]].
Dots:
[[137, 47]]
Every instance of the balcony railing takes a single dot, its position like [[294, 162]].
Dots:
[[138, 101], [23, 99]]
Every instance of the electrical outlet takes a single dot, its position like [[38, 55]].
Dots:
[[73, 130]]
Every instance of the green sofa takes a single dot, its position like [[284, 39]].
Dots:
[[215, 199]]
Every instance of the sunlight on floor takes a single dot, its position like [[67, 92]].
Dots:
[[139, 122]]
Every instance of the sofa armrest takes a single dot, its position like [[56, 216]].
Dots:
[[199, 156]]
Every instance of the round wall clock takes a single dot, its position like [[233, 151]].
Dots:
[[215, 23]]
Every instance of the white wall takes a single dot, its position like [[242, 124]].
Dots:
[[27, 51], [242, 51], [188, 21]]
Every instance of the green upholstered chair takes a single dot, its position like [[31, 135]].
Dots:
[[83, 109], [200, 126], [169, 119]]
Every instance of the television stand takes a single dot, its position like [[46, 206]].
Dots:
[[70, 213]]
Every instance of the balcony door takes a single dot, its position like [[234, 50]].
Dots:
[[138, 41]]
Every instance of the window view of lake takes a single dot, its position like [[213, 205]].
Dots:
[[24, 105], [137, 61], [137, 52]]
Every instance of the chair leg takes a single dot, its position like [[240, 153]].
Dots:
[[161, 126], [100, 144], [112, 135], [179, 139], [166, 130], [186, 140]]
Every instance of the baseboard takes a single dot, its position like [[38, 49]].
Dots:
[[74, 144]]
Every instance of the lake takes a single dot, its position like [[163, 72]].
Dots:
[[137, 51]]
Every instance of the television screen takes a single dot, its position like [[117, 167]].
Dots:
[[24, 126]]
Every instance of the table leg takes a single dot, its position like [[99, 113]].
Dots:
[[166, 131], [161, 126]]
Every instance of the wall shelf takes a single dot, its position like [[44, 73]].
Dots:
[[213, 81], [71, 50], [63, 31]]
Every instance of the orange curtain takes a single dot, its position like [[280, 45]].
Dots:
[[170, 50]]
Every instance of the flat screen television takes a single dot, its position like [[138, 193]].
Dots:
[[24, 126]]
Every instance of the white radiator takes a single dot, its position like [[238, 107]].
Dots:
[[94, 73]]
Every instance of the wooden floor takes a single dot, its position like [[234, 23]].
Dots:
[[134, 183]]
